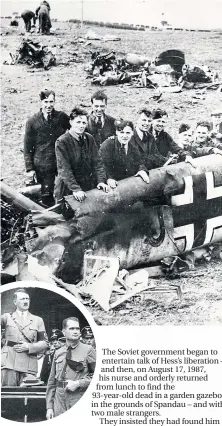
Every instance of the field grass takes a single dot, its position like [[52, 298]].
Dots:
[[202, 301]]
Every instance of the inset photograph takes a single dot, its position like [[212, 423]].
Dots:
[[48, 354]]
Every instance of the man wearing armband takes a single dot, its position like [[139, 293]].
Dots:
[[25, 337], [71, 373]]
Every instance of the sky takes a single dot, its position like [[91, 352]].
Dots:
[[179, 13]]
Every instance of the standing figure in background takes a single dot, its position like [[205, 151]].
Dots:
[[42, 12], [25, 338], [27, 17], [42, 131], [55, 342], [216, 128], [71, 373], [14, 20], [88, 337], [100, 125], [217, 120]]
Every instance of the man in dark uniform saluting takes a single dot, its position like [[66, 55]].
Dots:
[[71, 372], [25, 337]]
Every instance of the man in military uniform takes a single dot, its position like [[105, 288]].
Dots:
[[54, 343], [72, 368], [87, 336], [25, 337]]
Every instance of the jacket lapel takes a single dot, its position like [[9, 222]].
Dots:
[[27, 321], [138, 141]]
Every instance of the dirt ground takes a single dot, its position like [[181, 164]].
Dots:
[[202, 292]]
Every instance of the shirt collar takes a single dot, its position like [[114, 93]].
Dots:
[[75, 135], [96, 118], [45, 115], [156, 134], [139, 133], [125, 146], [74, 345], [22, 314]]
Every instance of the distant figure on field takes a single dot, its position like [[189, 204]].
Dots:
[[14, 20], [27, 17], [42, 12]]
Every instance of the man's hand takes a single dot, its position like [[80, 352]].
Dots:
[[191, 161], [79, 196], [112, 183], [103, 186], [30, 177], [72, 385], [49, 414], [217, 151], [143, 176], [21, 347]]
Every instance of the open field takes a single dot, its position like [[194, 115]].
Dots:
[[202, 301]]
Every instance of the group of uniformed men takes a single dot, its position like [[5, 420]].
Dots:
[[72, 365], [73, 154]]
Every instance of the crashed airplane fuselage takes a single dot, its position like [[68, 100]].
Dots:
[[179, 210]]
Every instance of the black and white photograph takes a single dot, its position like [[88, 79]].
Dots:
[[111, 170], [48, 354]]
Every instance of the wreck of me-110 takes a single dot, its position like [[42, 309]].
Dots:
[[138, 223]]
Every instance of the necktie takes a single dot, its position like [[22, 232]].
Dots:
[[49, 118], [124, 149], [22, 318], [99, 123], [81, 140], [74, 365]]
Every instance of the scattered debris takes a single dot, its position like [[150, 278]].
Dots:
[[110, 287], [91, 35], [168, 71], [34, 54]]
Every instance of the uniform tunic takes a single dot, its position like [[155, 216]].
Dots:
[[59, 399], [201, 149], [148, 150], [39, 146], [22, 362], [79, 168], [100, 134], [119, 164], [166, 145]]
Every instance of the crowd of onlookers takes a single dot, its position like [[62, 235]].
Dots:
[[73, 154]]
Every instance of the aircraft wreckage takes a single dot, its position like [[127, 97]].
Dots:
[[178, 211]]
